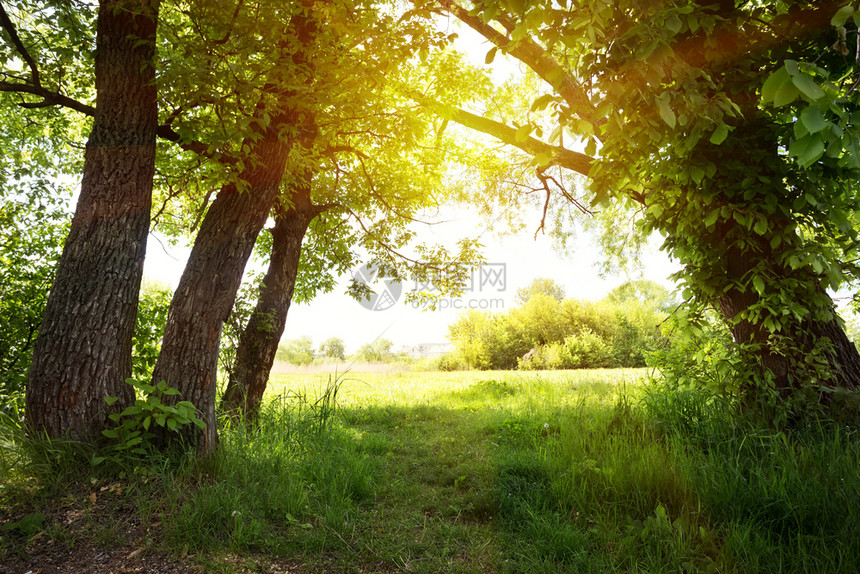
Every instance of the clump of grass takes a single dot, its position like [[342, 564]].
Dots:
[[270, 487]]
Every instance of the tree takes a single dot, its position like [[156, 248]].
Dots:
[[83, 350], [297, 351], [673, 104], [540, 285], [644, 291], [374, 166], [379, 351], [333, 348]]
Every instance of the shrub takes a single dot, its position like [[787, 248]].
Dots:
[[149, 325]]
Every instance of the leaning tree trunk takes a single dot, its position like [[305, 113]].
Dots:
[[259, 341], [83, 350], [188, 360], [790, 371]]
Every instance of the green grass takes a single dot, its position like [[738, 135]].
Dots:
[[586, 471]]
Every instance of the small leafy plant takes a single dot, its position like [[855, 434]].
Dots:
[[135, 425]]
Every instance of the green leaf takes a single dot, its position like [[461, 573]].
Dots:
[[711, 219], [523, 133], [673, 23], [807, 150], [842, 16], [591, 147], [813, 119], [666, 112], [808, 86], [543, 159], [491, 55], [773, 84], [111, 400], [719, 134], [542, 102], [697, 173], [758, 284]]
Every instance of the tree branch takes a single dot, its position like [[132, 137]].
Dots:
[[49, 98], [7, 25], [535, 57], [568, 159]]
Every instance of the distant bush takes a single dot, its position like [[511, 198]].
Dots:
[[548, 333], [379, 351], [296, 351]]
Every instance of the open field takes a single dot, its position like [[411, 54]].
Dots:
[[576, 471]]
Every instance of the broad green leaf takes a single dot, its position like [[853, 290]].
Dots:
[[712, 218], [542, 102], [808, 86], [842, 16], [758, 284], [697, 173], [813, 119], [673, 23], [807, 150], [719, 134], [543, 159], [666, 113], [786, 93], [523, 133], [491, 55], [773, 84]]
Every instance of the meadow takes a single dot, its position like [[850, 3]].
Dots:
[[564, 471]]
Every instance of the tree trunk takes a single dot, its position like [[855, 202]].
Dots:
[[785, 355], [259, 341], [207, 290], [83, 350]]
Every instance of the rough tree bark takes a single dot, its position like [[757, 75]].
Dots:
[[259, 341], [83, 350], [206, 293]]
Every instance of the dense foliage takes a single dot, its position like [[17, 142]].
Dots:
[[152, 310], [548, 333], [34, 220]]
